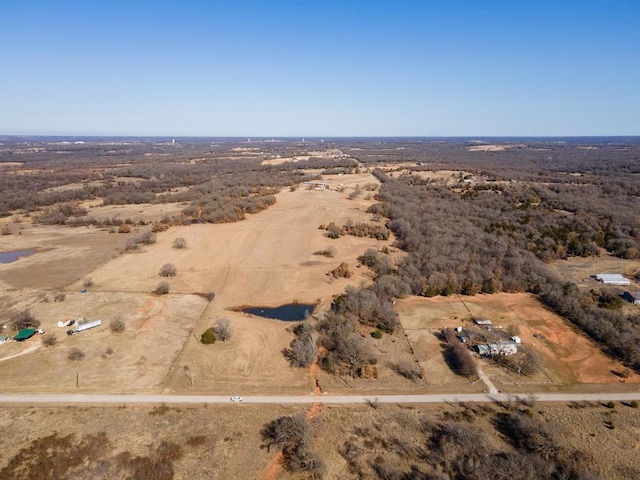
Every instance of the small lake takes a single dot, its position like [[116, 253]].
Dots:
[[291, 312], [8, 257]]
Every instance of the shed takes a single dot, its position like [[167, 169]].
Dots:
[[24, 334], [611, 279], [633, 297], [480, 321], [3, 338]]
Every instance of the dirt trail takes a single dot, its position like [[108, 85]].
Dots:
[[32, 348]]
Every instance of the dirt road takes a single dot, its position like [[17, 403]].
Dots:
[[306, 399]]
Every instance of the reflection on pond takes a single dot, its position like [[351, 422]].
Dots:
[[291, 312], [8, 257]]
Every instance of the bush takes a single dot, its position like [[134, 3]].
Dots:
[[208, 337], [408, 370], [88, 282], [5, 230], [179, 243], [49, 340], [75, 354], [377, 334], [124, 228], [117, 325], [210, 296], [168, 270], [328, 252], [162, 288], [131, 244], [633, 404], [59, 297], [147, 238]]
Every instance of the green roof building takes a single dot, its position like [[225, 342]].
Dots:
[[24, 334]]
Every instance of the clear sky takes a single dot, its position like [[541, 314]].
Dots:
[[320, 68]]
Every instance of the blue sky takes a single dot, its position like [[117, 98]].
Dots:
[[320, 68]]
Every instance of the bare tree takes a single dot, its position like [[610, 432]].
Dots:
[[179, 243], [117, 325], [22, 320], [304, 348], [88, 282], [75, 354], [162, 288], [49, 340], [168, 270], [147, 238], [222, 329]]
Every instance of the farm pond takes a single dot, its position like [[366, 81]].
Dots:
[[290, 312], [8, 257]]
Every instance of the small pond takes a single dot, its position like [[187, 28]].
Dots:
[[291, 312], [8, 257]]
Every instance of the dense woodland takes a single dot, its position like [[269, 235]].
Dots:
[[495, 236]]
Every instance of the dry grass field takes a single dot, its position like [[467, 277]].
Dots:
[[268, 259], [223, 442]]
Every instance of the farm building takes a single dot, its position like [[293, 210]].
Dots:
[[633, 297], [24, 334], [482, 323], [611, 279], [496, 349]]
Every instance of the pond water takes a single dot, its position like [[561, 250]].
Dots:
[[8, 257], [291, 312]]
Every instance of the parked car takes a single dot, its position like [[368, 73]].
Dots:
[[71, 332], [236, 399]]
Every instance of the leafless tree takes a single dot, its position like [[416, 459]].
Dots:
[[222, 329], [117, 325], [75, 354], [179, 243], [168, 270], [162, 288], [23, 319], [49, 340], [304, 348]]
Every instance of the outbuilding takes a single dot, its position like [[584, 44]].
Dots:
[[25, 334], [611, 279], [633, 297], [482, 323]]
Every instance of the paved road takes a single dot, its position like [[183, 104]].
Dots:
[[307, 399]]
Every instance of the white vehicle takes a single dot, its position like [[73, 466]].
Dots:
[[236, 399], [40, 331]]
